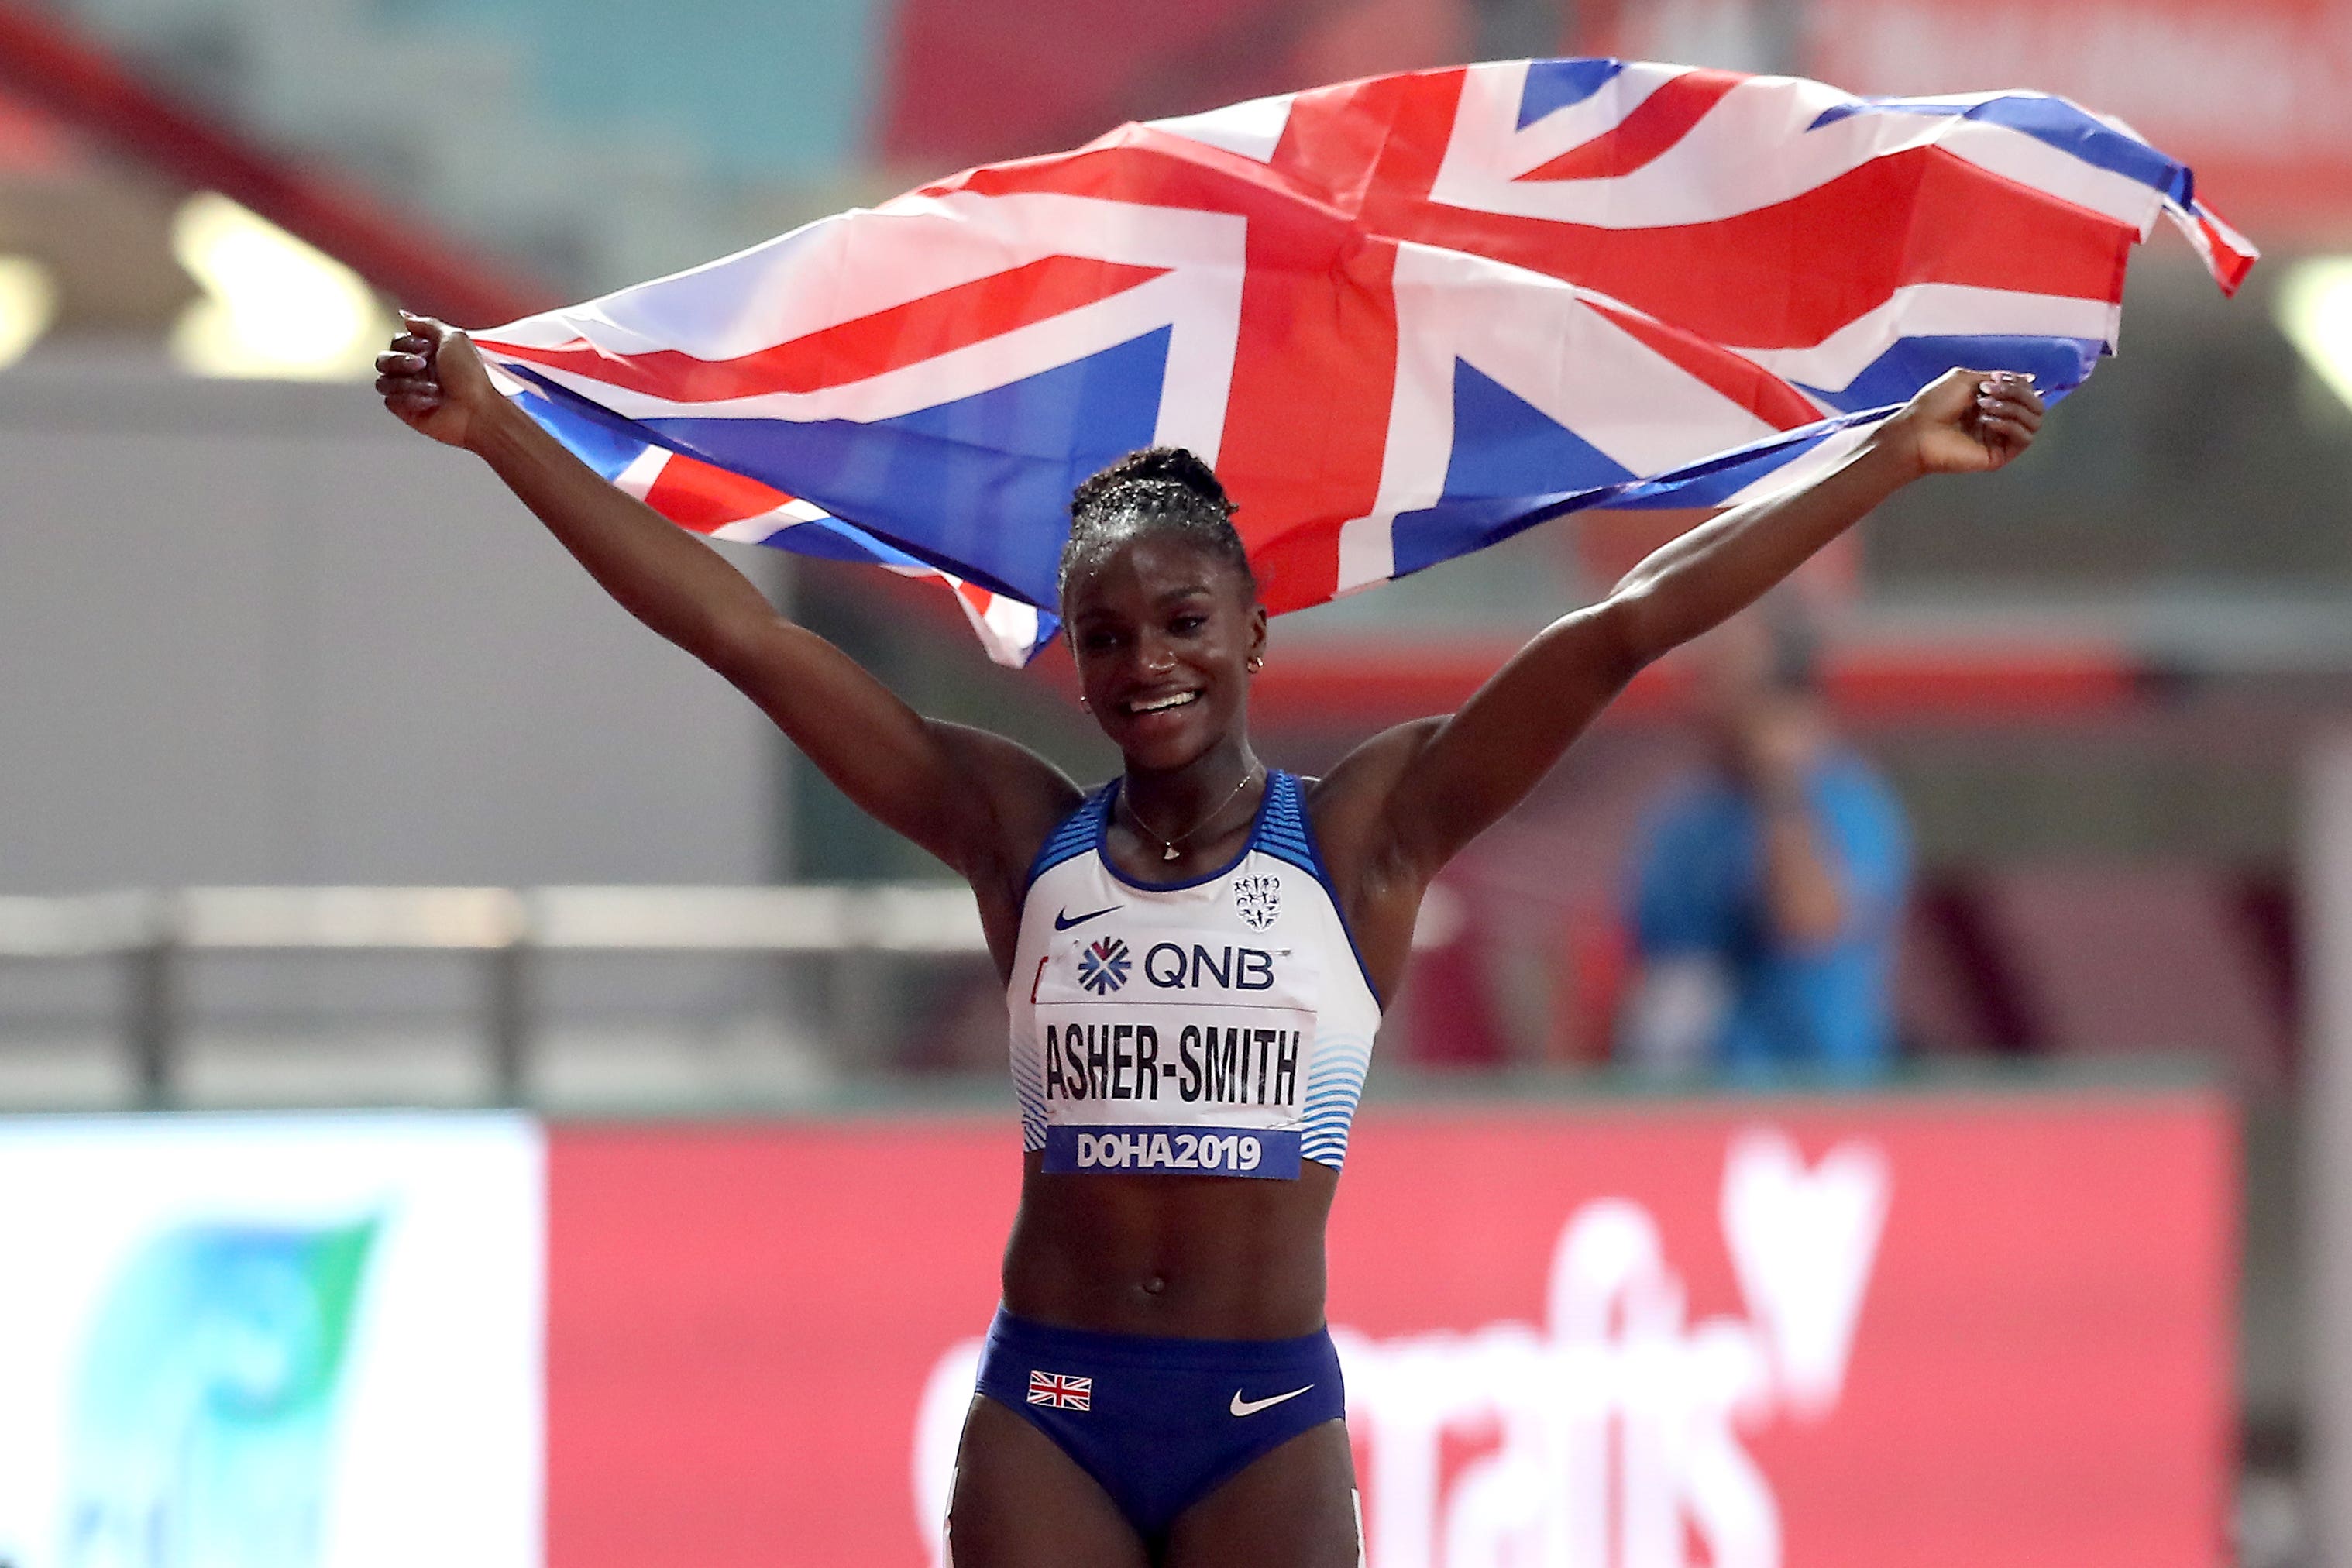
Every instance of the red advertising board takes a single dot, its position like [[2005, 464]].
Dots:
[[1982, 1332]]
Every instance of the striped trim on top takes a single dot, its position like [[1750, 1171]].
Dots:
[[1282, 826], [1074, 837], [1329, 1108], [1283, 832]]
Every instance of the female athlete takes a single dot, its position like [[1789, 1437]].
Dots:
[[1195, 954]]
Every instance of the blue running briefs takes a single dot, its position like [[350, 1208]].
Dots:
[[1161, 1423]]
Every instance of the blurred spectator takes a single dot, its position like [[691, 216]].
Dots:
[[1767, 890]]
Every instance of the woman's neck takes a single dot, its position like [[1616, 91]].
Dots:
[[1180, 802]]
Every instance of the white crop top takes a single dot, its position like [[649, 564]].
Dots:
[[1220, 1026]]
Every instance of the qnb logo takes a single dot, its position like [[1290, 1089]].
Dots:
[[1189, 967], [1103, 964], [1620, 1421], [1613, 1434]]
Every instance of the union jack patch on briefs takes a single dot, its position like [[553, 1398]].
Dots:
[[1062, 1393]]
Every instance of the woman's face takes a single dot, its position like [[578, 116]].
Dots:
[[1163, 633]]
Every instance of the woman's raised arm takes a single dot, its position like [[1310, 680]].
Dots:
[[1410, 798], [977, 801]]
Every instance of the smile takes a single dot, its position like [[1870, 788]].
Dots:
[[1162, 704]]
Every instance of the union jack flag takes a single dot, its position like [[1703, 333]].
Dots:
[[1060, 1391], [1404, 317]]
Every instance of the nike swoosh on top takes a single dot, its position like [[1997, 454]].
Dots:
[[1252, 1406], [1062, 920]]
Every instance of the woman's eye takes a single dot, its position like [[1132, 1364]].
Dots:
[[1188, 622]]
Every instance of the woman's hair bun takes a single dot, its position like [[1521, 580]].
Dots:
[[1163, 465], [1160, 487]]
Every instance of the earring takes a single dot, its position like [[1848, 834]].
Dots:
[[1254, 664]]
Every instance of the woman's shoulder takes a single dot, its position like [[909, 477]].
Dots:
[[1016, 800]]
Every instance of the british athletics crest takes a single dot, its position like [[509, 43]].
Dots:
[[1258, 901]]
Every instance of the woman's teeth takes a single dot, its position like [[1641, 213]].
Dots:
[[1161, 704]]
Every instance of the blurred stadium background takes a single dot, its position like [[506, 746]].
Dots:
[[327, 784]]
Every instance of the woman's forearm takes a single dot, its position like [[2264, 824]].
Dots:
[[674, 584], [1711, 573]]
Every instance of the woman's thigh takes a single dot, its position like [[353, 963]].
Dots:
[[1294, 1507], [1020, 1502]]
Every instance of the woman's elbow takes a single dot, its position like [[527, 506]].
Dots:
[[737, 647], [1627, 634]]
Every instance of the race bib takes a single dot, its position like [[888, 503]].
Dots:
[[1174, 1051]]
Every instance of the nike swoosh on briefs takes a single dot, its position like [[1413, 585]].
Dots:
[[1252, 1406], [1062, 920]]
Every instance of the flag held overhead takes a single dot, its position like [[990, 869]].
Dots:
[[1404, 317]]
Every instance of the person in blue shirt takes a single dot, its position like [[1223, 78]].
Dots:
[[1767, 890]]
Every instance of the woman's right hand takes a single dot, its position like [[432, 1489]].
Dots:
[[433, 380]]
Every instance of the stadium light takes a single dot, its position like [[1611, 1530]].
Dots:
[[272, 306], [28, 303], [2315, 310]]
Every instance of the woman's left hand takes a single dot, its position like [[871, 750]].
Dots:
[[1969, 421]]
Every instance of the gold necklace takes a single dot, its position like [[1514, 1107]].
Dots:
[[1167, 846]]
